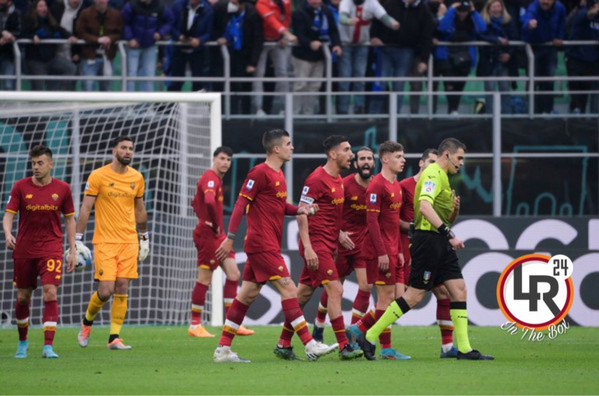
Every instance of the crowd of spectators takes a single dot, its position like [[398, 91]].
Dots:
[[379, 38]]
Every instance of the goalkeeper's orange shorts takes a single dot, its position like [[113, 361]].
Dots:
[[115, 260]]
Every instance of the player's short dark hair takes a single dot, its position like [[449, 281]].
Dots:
[[428, 152], [39, 150], [223, 149], [389, 146], [365, 148], [271, 137], [333, 141], [119, 139], [451, 144]]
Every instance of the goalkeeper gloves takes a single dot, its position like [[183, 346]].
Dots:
[[144, 246], [80, 248]]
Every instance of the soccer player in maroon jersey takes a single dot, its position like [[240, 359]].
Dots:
[[207, 236], [408, 186], [320, 235], [37, 250], [264, 194], [383, 247], [354, 223]]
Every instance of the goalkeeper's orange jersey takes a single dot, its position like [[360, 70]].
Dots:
[[115, 203]]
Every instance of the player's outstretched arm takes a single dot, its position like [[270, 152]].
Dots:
[[7, 226]]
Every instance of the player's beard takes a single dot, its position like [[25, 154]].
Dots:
[[122, 160], [364, 175]]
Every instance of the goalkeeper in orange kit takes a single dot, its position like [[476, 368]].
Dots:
[[120, 237]]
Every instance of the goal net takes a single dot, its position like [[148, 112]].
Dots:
[[174, 137]]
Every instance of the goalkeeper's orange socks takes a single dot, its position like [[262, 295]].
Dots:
[[198, 299], [117, 315], [234, 319], [459, 316], [22, 316], [50, 318], [94, 306]]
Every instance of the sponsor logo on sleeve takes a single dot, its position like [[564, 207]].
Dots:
[[210, 183], [249, 185], [87, 186]]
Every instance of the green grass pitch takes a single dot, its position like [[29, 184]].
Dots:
[[164, 360]]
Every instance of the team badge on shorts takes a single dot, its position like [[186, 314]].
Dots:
[[426, 277], [330, 272]]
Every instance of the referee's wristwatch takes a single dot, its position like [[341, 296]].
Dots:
[[446, 232]]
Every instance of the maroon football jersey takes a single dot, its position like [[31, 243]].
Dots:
[[354, 213], [267, 191], [384, 197], [39, 209], [209, 183], [326, 191]]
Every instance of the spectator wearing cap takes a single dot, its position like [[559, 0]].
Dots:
[[243, 37], [45, 59], [354, 30], [276, 20], [497, 60], [314, 25], [100, 26], [583, 60], [10, 26], [146, 21], [193, 26], [399, 48], [462, 23], [544, 22]]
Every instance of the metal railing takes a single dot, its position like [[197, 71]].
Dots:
[[327, 79]]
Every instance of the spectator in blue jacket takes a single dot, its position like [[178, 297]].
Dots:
[[544, 22], [497, 60], [194, 20], [146, 21], [583, 60], [461, 23]]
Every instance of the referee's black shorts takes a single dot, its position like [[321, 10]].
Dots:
[[433, 260]]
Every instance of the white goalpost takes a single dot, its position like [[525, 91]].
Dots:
[[174, 134]]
